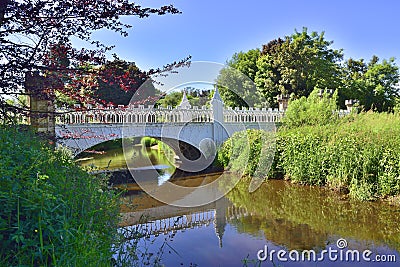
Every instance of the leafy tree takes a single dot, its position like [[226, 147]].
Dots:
[[353, 72], [195, 96], [381, 79], [297, 64], [35, 40], [246, 63], [172, 99], [373, 84], [198, 97], [113, 90], [236, 81]]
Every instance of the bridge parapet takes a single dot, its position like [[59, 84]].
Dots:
[[141, 114], [252, 115], [135, 115]]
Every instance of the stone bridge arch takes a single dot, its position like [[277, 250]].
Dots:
[[185, 139]]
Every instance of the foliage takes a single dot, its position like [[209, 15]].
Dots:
[[53, 213], [236, 81], [297, 64], [172, 99], [148, 141], [242, 152], [360, 154], [195, 96], [198, 97], [373, 84], [313, 110], [112, 90], [396, 108], [37, 54]]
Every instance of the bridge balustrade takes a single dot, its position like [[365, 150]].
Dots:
[[169, 115], [165, 115]]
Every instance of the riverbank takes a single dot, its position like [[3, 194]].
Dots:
[[53, 213], [358, 154]]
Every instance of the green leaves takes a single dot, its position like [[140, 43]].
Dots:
[[236, 81], [313, 110], [47, 207], [300, 63], [242, 152], [361, 156], [374, 84], [297, 65]]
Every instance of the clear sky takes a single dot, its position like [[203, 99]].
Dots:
[[214, 30]]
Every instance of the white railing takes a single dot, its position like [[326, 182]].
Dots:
[[138, 114], [141, 114], [341, 113], [252, 115]]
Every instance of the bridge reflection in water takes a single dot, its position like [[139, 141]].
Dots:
[[167, 219], [152, 218], [279, 214]]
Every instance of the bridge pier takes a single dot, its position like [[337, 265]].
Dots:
[[41, 104]]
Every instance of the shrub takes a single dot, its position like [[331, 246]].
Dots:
[[249, 152], [148, 141], [313, 110], [53, 212], [361, 153]]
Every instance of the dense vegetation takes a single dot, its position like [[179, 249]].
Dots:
[[296, 65], [195, 96], [359, 153], [53, 212], [315, 109]]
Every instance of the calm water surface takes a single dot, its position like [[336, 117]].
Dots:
[[230, 231]]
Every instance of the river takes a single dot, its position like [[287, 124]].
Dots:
[[291, 220]]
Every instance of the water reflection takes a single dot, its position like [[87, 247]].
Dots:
[[144, 161], [231, 231]]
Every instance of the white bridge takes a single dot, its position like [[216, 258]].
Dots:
[[193, 133], [182, 128]]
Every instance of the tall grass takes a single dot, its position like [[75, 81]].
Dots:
[[359, 153], [52, 212], [249, 152]]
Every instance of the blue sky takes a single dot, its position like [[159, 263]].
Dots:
[[214, 30]]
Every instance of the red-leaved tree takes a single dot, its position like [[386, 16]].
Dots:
[[35, 47]]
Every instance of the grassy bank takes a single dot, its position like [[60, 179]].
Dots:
[[359, 154], [53, 213]]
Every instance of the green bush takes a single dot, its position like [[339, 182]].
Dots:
[[313, 110], [53, 213], [249, 152], [360, 153], [148, 141]]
